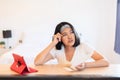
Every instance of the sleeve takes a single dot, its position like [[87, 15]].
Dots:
[[88, 49], [53, 53]]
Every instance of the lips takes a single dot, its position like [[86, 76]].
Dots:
[[70, 41]]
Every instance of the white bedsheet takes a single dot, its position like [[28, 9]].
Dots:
[[29, 51]]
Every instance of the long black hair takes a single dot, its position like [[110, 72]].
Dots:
[[58, 29]]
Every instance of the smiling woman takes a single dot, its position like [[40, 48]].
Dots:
[[69, 51]]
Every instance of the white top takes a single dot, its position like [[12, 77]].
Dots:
[[82, 53]]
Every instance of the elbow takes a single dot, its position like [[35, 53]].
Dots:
[[106, 63], [37, 63]]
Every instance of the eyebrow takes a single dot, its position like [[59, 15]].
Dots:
[[66, 32]]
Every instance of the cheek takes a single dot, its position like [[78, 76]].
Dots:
[[73, 37], [64, 40]]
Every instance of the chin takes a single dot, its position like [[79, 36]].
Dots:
[[71, 45]]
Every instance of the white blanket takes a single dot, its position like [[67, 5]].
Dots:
[[27, 50]]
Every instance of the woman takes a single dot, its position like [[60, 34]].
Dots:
[[68, 50]]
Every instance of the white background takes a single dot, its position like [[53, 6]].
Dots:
[[34, 21]]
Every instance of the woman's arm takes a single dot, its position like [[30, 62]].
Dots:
[[100, 61], [45, 55]]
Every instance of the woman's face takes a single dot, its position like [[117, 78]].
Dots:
[[68, 36]]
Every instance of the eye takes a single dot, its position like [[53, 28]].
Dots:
[[64, 34]]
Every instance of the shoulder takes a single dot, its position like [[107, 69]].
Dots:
[[86, 48], [86, 45], [83, 45], [55, 52]]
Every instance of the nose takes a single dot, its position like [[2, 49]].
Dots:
[[69, 36]]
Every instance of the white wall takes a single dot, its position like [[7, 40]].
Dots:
[[36, 20]]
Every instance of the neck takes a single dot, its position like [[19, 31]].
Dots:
[[69, 49], [69, 52]]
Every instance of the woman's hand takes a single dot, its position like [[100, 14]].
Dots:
[[57, 38], [80, 66]]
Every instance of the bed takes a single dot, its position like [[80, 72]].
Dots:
[[27, 50]]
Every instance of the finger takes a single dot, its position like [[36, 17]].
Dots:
[[80, 67], [73, 68], [55, 40], [58, 35]]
